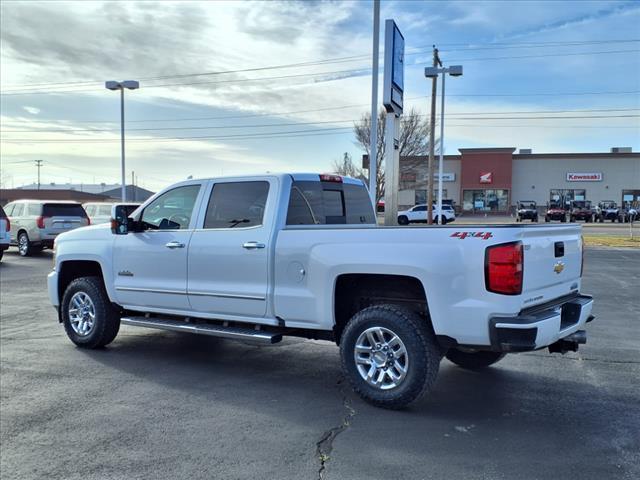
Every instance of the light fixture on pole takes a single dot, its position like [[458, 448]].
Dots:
[[130, 85], [433, 72]]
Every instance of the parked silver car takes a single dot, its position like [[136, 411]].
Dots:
[[36, 223], [101, 212]]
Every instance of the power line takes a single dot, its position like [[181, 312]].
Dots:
[[285, 133], [351, 71], [291, 112], [288, 124], [542, 55], [418, 50]]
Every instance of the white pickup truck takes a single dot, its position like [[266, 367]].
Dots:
[[259, 257]]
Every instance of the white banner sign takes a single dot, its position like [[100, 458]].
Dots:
[[584, 177]]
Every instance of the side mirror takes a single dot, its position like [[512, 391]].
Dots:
[[120, 220]]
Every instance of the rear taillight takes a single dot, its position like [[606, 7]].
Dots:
[[503, 268], [8, 224], [88, 221], [40, 222]]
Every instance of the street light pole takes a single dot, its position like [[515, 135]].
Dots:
[[131, 85], [441, 159], [124, 185], [433, 72]]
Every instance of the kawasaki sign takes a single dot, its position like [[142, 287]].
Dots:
[[584, 177]]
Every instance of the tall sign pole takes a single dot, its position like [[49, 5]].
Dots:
[[392, 100], [373, 147]]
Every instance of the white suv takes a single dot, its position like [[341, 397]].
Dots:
[[418, 214]]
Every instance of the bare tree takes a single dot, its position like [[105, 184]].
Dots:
[[414, 140], [347, 168]]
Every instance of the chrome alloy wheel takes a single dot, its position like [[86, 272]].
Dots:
[[381, 358], [82, 313], [23, 244]]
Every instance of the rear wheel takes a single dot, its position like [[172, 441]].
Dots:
[[24, 245], [473, 359], [389, 355], [546, 219], [87, 314]]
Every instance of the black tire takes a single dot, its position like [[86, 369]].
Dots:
[[107, 321], [25, 248], [564, 220], [1, 254], [423, 353], [546, 219], [473, 360], [535, 219], [403, 220]]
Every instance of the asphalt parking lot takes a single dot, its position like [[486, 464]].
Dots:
[[175, 406]]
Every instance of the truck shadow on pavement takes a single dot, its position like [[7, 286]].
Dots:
[[500, 414]]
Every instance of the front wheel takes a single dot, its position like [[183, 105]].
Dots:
[[403, 220], [389, 355], [473, 360], [87, 314]]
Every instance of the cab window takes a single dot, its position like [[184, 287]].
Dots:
[[237, 205], [172, 210]]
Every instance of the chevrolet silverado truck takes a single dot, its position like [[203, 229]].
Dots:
[[261, 257]]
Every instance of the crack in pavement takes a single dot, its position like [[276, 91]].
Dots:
[[582, 359], [324, 446]]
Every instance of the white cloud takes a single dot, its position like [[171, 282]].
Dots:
[[31, 110]]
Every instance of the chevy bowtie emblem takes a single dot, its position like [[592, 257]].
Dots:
[[558, 267]]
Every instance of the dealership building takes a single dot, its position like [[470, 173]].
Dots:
[[493, 180]]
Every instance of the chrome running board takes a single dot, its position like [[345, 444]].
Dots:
[[235, 333]]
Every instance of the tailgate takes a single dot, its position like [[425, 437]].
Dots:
[[552, 258]]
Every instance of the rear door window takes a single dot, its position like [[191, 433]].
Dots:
[[17, 210], [237, 205], [63, 210]]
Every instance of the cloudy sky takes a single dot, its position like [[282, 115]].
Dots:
[[245, 87]]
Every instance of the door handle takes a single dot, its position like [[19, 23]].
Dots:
[[174, 244], [252, 245]]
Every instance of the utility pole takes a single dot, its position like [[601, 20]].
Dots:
[[432, 134], [38, 164]]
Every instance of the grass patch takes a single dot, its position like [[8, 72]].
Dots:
[[612, 241]]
